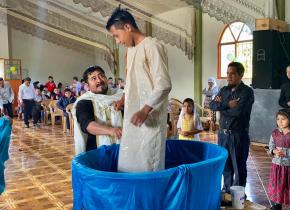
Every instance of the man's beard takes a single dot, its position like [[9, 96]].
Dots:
[[104, 89]]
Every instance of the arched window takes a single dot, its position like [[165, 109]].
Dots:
[[235, 44]]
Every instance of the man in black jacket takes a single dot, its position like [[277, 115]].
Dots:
[[284, 99], [235, 105]]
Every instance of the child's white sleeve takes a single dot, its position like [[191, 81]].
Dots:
[[272, 145]]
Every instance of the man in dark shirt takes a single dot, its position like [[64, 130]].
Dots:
[[63, 102], [96, 79], [284, 99], [235, 105]]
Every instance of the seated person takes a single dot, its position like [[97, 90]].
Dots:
[[56, 95], [284, 99], [63, 102], [82, 92], [96, 121], [45, 92], [188, 124], [37, 108]]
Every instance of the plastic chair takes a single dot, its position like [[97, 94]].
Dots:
[[55, 112], [46, 110], [174, 110], [71, 121]]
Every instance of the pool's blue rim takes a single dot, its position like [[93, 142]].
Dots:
[[148, 175]]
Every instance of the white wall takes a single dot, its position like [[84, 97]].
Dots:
[[102, 63], [4, 50], [182, 74], [287, 13], [181, 17], [41, 58], [211, 29]]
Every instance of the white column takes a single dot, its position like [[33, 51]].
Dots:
[[287, 13], [4, 49]]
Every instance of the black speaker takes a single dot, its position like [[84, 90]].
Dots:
[[271, 50]]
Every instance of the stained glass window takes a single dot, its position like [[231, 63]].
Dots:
[[235, 44]]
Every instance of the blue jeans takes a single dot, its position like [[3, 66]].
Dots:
[[237, 144], [67, 119]]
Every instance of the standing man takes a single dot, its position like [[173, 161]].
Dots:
[[146, 95], [235, 105], [26, 96], [77, 85], [6, 98], [284, 99]]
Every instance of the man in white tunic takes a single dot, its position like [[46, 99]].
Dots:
[[146, 96]]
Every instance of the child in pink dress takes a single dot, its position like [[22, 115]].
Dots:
[[279, 148]]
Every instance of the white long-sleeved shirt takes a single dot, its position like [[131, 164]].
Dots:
[[26, 92], [6, 94]]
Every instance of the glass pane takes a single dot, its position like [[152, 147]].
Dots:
[[12, 69], [236, 29], [227, 56], [227, 36], [246, 34], [244, 55]]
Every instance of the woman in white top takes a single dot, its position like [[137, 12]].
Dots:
[[210, 92]]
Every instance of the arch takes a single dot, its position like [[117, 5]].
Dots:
[[235, 44]]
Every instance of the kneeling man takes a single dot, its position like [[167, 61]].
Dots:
[[96, 122]]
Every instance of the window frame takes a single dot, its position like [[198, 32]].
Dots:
[[219, 71]]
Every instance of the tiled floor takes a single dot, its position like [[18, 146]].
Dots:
[[38, 171], [258, 165]]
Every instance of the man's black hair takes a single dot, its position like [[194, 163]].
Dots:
[[1, 79], [189, 101], [90, 70], [50, 77], [239, 67], [27, 79], [119, 18], [110, 78], [67, 90], [75, 78], [285, 113]]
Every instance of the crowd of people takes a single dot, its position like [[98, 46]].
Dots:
[[31, 97]]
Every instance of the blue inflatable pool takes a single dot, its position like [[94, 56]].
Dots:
[[192, 180]]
